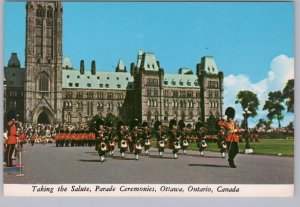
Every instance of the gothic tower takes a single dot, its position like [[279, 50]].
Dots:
[[211, 88], [43, 62]]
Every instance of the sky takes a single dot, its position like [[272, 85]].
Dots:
[[252, 43]]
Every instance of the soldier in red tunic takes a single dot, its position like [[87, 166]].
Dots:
[[11, 142]]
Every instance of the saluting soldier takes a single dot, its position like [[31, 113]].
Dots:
[[232, 138]]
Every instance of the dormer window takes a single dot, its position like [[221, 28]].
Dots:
[[89, 85], [106, 85], [70, 84], [77, 84], [101, 85], [188, 83], [181, 83], [78, 76], [117, 78], [208, 68], [153, 66], [119, 85], [196, 83], [173, 82], [213, 69], [148, 65], [107, 78], [88, 77], [166, 82], [98, 77]]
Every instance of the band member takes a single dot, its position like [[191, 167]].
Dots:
[[111, 137], [11, 142], [100, 139], [232, 138], [146, 137], [174, 138], [122, 142], [221, 141], [200, 132], [136, 137], [160, 137], [183, 135]]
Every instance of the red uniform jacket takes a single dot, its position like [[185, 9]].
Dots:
[[12, 138], [232, 136]]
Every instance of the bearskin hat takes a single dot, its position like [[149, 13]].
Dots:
[[157, 124], [230, 113], [181, 124], [99, 122], [119, 124], [172, 122], [198, 125], [189, 126], [134, 123], [145, 124]]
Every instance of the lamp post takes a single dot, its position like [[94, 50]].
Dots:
[[246, 114]]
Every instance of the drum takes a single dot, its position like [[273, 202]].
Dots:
[[203, 144], [177, 145], [123, 143], [103, 146], [161, 144], [111, 143], [138, 146], [147, 142], [185, 143]]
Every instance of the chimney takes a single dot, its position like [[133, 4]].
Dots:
[[81, 66], [93, 67]]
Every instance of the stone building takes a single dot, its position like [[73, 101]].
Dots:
[[50, 90]]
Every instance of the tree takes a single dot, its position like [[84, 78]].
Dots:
[[211, 124], [274, 106], [249, 103], [288, 93], [263, 124]]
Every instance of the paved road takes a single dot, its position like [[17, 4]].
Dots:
[[48, 164]]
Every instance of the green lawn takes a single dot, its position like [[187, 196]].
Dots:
[[285, 147]]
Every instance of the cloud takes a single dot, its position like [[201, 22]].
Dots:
[[281, 70]]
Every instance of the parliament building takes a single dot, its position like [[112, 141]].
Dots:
[[49, 90]]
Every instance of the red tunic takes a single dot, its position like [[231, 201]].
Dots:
[[12, 138], [232, 136]]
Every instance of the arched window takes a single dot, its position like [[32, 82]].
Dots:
[[44, 83], [50, 13], [39, 11], [69, 118]]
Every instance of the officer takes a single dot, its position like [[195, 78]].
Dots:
[[11, 142], [232, 138]]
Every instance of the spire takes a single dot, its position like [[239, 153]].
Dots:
[[14, 61], [121, 66], [67, 63]]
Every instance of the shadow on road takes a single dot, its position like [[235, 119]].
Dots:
[[158, 157], [120, 158], [81, 160], [205, 156], [208, 165]]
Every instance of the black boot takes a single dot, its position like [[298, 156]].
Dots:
[[231, 164]]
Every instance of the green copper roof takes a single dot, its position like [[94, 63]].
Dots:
[[209, 64], [181, 81], [147, 60], [67, 63], [101, 80]]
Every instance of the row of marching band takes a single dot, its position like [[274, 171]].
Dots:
[[137, 138]]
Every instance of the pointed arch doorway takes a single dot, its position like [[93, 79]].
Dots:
[[43, 118]]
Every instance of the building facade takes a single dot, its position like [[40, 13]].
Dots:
[[50, 90]]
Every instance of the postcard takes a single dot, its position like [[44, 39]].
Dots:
[[148, 99]]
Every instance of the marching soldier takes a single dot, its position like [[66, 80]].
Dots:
[[160, 137], [232, 138], [100, 139], [146, 137], [122, 142], [111, 137], [174, 138], [221, 141], [200, 134], [136, 137], [183, 136]]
